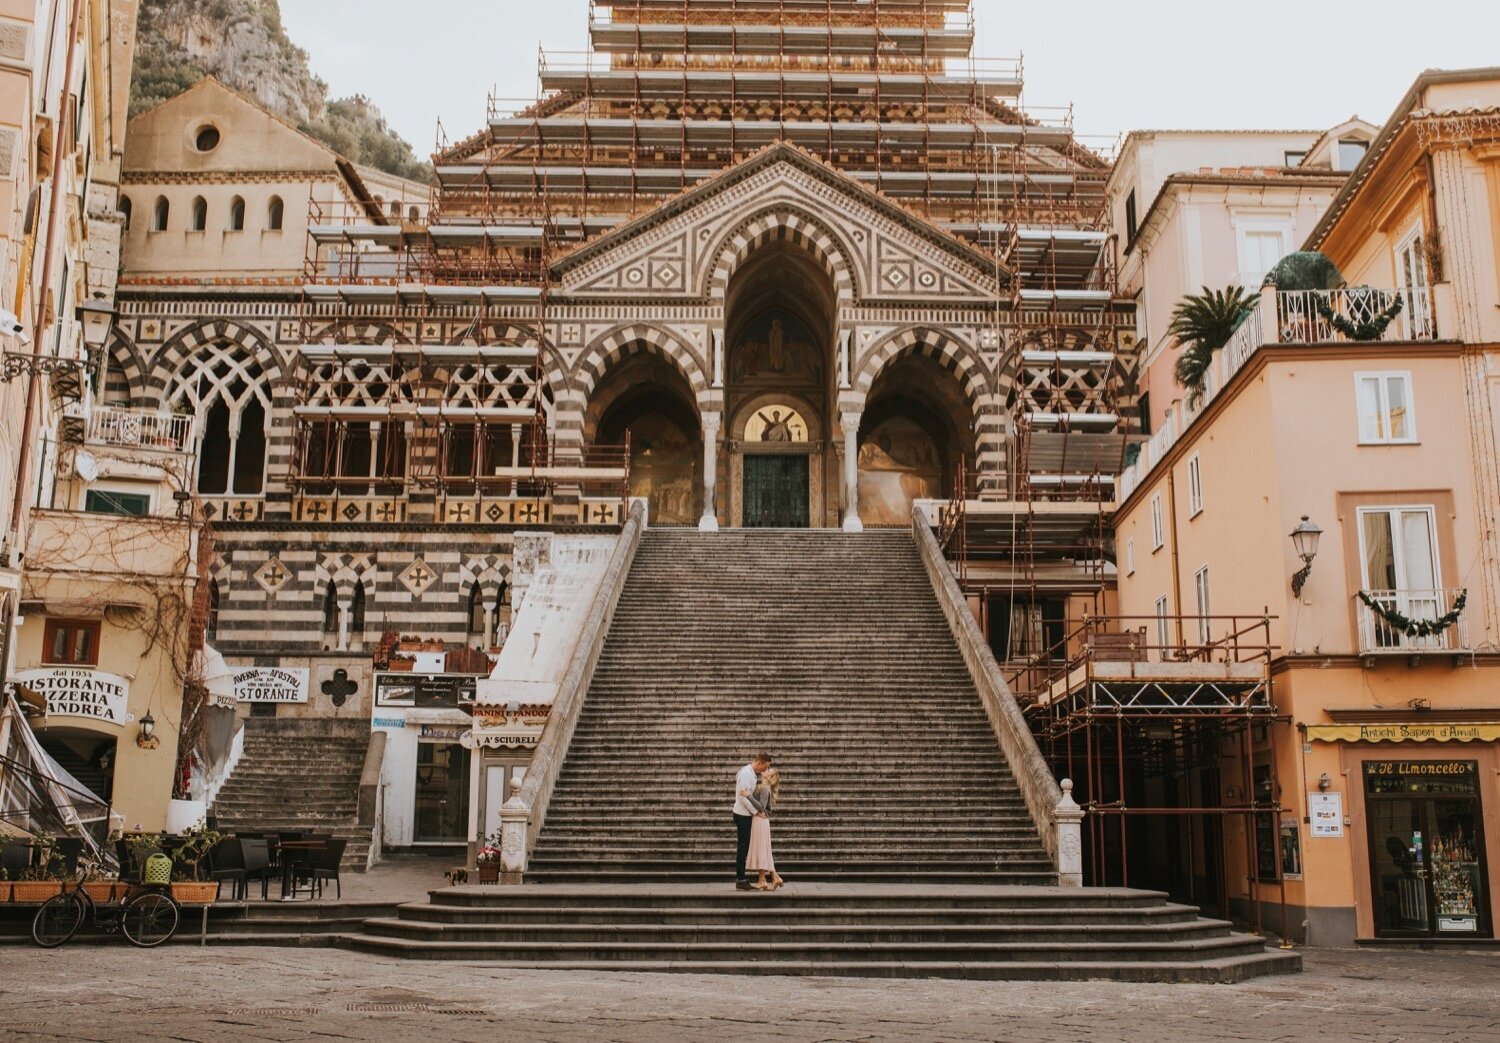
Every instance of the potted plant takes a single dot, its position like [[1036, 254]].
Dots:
[[43, 878], [488, 860], [190, 868], [402, 663], [4, 885]]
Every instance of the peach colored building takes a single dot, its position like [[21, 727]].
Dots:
[[1214, 208], [1372, 800]]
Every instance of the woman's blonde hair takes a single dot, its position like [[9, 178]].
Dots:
[[773, 779]]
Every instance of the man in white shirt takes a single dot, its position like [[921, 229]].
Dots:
[[744, 785]]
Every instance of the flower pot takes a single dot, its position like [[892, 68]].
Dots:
[[402, 665], [489, 873], [195, 892], [4, 890], [102, 891], [34, 891]]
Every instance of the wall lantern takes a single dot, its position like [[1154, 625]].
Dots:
[[1305, 543], [1324, 782], [146, 740], [97, 318]]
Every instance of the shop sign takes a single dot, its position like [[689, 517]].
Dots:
[[72, 691], [449, 732], [271, 684], [1403, 732], [1325, 814], [389, 722], [431, 691]]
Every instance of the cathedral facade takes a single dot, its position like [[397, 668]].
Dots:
[[760, 265]]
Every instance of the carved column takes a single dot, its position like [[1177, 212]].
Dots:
[[851, 423], [1069, 823], [717, 362], [710, 520]]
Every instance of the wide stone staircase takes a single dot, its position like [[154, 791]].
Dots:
[[827, 650], [299, 776], [906, 845]]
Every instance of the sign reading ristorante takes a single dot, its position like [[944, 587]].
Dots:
[[73, 691], [271, 684]]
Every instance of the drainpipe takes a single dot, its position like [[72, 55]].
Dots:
[[33, 387], [1176, 570]]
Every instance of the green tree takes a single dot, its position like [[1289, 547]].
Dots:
[[1202, 324]]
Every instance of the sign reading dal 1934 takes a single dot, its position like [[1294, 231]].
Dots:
[[76, 692], [271, 684]]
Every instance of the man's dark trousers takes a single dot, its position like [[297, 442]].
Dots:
[[742, 846]]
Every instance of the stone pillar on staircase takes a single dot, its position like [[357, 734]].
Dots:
[[710, 520], [851, 422], [1068, 820], [515, 823]]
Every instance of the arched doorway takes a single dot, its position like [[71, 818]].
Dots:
[[917, 426], [780, 312], [647, 399]]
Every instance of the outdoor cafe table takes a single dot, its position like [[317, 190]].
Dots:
[[297, 854]]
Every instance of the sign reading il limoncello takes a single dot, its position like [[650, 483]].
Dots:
[[73, 691]]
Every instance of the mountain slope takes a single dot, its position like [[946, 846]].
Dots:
[[243, 43]]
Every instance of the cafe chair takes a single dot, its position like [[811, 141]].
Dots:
[[259, 865], [227, 862], [326, 867]]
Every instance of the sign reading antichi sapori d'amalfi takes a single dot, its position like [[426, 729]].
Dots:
[[72, 691], [271, 684]]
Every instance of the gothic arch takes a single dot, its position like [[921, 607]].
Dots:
[[624, 341], [784, 223], [170, 359], [125, 371], [953, 355]]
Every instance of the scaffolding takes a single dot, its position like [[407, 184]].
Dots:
[[1157, 720]]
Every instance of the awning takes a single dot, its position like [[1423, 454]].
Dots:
[[217, 676], [1413, 731]]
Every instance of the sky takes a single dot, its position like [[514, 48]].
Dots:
[[1275, 64]]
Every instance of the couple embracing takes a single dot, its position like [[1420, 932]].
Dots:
[[756, 789]]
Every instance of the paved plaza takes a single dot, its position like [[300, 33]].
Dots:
[[109, 992]]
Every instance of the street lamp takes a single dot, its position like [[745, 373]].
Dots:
[[146, 739], [97, 318], [1305, 542]]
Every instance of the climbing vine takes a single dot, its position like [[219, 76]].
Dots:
[[1372, 328]]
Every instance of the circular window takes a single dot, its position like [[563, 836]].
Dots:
[[207, 139]]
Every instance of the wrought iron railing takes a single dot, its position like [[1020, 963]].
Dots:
[[140, 429], [1329, 316], [1380, 634]]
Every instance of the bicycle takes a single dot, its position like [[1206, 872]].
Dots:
[[146, 914]]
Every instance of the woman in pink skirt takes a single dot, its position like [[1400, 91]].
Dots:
[[760, 860]]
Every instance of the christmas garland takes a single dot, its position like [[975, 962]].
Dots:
[[1371, 329], [1416, 627]]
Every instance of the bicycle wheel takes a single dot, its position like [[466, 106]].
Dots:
[[58, 920], [149, 919]]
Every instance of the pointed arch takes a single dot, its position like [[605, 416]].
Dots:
[[785, 223]]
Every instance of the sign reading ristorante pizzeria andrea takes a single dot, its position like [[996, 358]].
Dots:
[[271, 684], [73, 691]]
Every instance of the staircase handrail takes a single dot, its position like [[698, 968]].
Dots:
[[1051, 805], [369, 779], [522, 816]]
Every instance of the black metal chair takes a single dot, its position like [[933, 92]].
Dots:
[[15, 859], [327, 866], [227, 862], [258, 863]]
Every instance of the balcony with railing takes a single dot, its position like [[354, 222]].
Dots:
[[1297, 318], [139, 429], [1411, 622]]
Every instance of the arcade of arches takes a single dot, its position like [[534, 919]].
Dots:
[[779, 439]]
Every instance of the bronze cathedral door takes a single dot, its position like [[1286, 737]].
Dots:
[[776, 489]]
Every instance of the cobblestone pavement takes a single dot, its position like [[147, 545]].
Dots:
[[110, 992]]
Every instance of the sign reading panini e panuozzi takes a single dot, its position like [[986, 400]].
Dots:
[[271, 684], [73, 691]]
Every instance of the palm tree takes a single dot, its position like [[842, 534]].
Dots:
[[1203, 323]]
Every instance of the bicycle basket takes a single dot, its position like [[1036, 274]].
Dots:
[[158, 870]]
